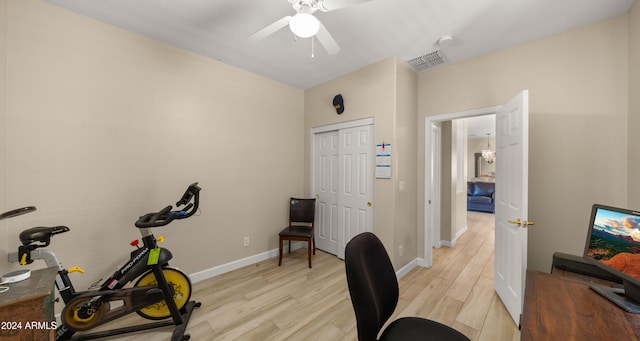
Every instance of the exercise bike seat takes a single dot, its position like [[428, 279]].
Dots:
[[40, 234]]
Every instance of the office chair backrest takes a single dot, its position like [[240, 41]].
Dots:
[[372, 284], [302, 210]]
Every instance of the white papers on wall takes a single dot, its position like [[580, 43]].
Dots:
[[383, 161]]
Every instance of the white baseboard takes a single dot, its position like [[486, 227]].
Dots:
[[422, 263], [407, 268], [453, 242], [240, 263]]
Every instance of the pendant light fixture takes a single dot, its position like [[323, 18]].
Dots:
[[489, 154]]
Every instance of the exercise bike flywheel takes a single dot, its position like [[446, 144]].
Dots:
[[180, 285]]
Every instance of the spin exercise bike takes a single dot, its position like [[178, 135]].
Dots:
[[160, 292]]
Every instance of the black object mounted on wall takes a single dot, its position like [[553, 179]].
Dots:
[[338, 103]]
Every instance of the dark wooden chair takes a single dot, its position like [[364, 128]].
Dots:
[[301, 221], [374, 291]]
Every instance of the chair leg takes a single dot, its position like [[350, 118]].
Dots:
[[313, 239], [289, 245], [309, 251], [280, 260]]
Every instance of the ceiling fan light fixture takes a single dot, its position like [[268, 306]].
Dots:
[[304, 25]]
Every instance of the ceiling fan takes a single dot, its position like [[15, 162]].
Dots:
[[304, 24]]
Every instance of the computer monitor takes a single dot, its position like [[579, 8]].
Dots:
[[613, 244]]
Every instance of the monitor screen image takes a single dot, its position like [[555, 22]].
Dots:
[[613, 244]]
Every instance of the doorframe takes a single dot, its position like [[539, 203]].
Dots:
[[435, 201], [341, 125], [435, 180]]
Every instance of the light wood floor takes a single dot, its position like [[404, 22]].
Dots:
[[292, 302]]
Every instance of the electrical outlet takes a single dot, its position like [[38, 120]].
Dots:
[[400, 250], [246, 241]]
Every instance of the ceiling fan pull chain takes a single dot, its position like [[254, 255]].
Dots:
[[312, 48]]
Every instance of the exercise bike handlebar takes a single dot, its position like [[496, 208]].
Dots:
[[166, 215]]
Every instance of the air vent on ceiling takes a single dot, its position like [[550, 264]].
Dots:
[[427, 61]]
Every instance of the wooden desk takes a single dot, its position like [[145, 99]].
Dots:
[[26, 310], [561, 308]]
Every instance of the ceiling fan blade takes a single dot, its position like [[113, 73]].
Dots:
[[271, 29], [330, 5], [327, 40]]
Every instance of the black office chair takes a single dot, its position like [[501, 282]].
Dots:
[[301, 218], [374, 293]]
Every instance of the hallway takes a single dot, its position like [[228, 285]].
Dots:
[[458, 289]]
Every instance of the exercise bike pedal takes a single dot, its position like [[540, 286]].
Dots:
[[153, 295]]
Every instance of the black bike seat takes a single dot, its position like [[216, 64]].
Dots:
[[40, 234]]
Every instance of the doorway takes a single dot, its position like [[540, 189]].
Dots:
[[432, 175], [511, 203], [342, 161]]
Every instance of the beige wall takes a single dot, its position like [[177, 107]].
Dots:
[[447, 208], [578, 115], [368, 92], [374, 91], [453, 203], [406, 163], [3, 134], [91, 116], [104, 125], [634, 106]]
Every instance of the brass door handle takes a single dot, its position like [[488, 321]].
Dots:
[[369, 204], [521, 223]]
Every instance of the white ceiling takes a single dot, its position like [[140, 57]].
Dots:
[[480, 126], [367, 32]]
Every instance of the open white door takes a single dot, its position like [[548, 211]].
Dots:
[[511, 217]]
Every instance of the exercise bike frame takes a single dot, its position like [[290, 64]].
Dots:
[[134, 268], [148, 258]]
